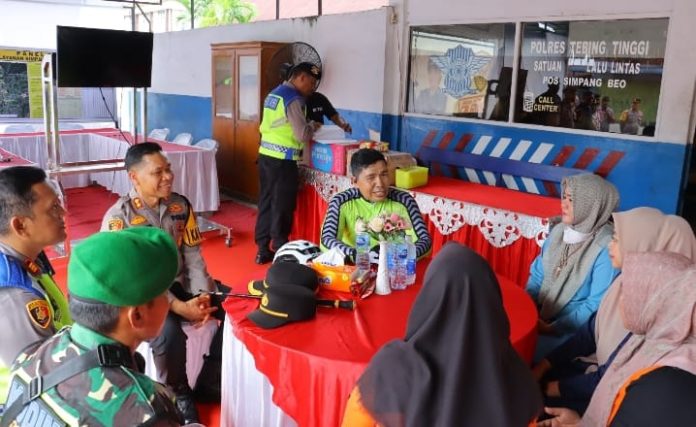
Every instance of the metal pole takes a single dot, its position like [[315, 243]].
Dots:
[[135, 90], [515, 64], [319, 8], [277, 10], [192, 16], [50, 105], [144, 106]]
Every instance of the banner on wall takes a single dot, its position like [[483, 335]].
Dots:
[[14, 55], [20, 83]]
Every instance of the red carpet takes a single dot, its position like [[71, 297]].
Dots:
[[233, 266]]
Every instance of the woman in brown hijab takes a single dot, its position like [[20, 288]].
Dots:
[[455, 366], [573, 380], [658, 306], [572, 273]]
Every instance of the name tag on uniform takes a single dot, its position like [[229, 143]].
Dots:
[[36, 413], [271, 102]]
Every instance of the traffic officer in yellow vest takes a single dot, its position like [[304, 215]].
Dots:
[[284, 132], [151, 202], [32, 307]]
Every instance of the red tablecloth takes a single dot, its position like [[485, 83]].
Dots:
[[11, 159], [495, 197], [314, 365], [512, 260]]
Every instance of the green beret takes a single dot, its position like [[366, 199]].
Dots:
[[123, 268]]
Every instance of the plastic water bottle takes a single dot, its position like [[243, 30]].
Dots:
[[400, 261], [410, 263], [362, 249], [391, 262]]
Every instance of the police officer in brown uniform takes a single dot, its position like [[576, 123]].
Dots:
[[32, 307], [151, 202]]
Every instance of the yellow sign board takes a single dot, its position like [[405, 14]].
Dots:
[[16, 55]]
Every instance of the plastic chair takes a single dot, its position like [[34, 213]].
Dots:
[[208, 144], [160, 134], [183, 139]]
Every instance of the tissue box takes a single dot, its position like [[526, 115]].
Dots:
[[330, 155], [395, 160], [335, 278], [412, 177], [375, 145]]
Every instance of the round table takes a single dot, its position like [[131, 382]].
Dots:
[[312, 366]]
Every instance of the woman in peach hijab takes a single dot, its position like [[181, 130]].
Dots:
[[572, 381], [657, 300]]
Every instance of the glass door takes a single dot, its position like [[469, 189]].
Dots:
[[246, 131]]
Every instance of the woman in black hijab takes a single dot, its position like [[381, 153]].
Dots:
[[455, 366]]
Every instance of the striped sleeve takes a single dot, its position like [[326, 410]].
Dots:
[[423, 240], [332, 227]]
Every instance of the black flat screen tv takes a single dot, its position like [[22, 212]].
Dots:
[[90, 57]]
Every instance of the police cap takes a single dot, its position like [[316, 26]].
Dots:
[[285, 274], [307, 67], [283, 304]]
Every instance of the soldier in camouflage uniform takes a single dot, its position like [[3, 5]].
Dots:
[[151, 202], [118, 298]]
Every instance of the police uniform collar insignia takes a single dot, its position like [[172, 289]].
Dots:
[[39, 313], [138, 219], [137, 203], [32, 267]]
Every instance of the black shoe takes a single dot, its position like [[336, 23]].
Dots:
[[264, 257], [185, 404]]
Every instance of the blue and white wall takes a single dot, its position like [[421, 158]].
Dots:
[[352, 48], [366, 63], [647, 171]]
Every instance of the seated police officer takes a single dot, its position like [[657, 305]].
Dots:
[[87, 374], [151, 202], [32, 306], [370, 197]]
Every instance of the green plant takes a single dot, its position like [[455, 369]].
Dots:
[[209, 13]]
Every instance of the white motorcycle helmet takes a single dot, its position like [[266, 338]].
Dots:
[[299, 251]]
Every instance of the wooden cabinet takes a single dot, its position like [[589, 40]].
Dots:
[[241, 81]]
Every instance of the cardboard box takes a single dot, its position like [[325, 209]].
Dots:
[[415, 176], [330, 155], [395, 160]]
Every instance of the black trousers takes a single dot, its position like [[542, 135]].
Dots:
[[277, 200]]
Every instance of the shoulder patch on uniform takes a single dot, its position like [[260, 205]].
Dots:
[[137, 203], [192, 235], [115, 224], [39, 313], [175, 208], [137, 220], [271, 102]]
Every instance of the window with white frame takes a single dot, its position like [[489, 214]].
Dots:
[[601, 76], [593, 75], [461, 70]]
